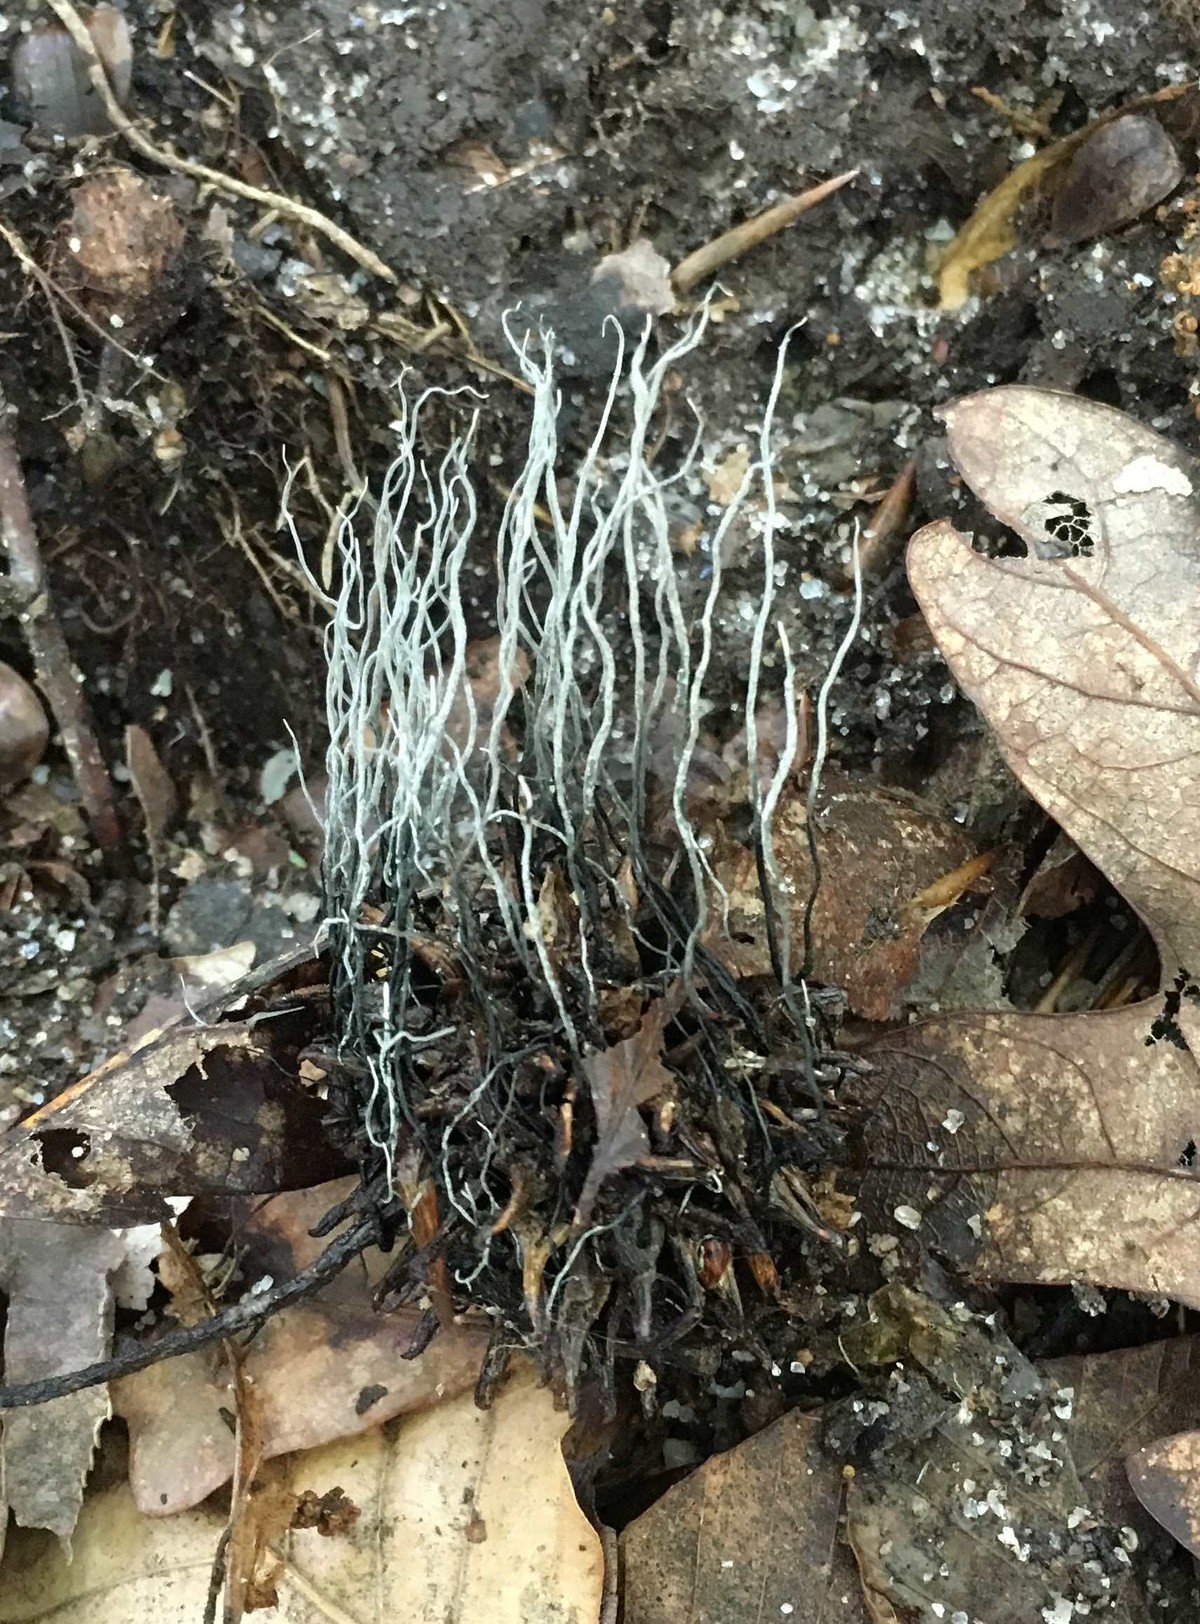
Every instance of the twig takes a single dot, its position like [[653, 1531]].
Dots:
[[56, 676], [818, 765], [733, 243], [610, 1601], [882, 538], [230, 1570], [241, 1316], [283, 205]]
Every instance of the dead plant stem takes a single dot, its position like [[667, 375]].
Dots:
[[56, 675], [245, 1315], [732, 244]]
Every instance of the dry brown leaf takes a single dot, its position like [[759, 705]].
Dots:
[[621, 1079], [1165, 1476], [334, 1349], [637, 278], [484, 685], [1121, 170], [878, 855], [750, 1535], [24, 729], [727, 477], [464, 1515], [1084, 656], [1122, 1402], [151, 782], [57, 1279], [1041, 1147]]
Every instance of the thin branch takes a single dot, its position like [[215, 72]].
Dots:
[[56, 676], [734, 243], [281, 204], [245, 1315], [818, 765]]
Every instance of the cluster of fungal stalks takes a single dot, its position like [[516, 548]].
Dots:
[[512, 875]]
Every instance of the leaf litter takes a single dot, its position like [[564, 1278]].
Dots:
[[459, 1515], [1083, 654], [330, 1367], [1002, 1145], [637, 1080]]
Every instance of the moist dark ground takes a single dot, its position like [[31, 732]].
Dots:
[[597, 126], [490, 155]]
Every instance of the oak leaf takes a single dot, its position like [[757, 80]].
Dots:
[[1084, 655], [1049, 1148]]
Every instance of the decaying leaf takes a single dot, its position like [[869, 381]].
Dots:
[[1165, 1476], [1084, 655], [57, 1279], [880, 854], [463, 1515], [621, 1079], [1042, 1148], [485, 684], [152, 784], [24, 730], [1121, 1403], [993, 231], [1121, 170], [727, 477], [346, 1359], [750, 1535], [194, 1108], [639, 279], [49, 73], [970, 1497]]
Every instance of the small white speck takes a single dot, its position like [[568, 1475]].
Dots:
[[908, 1216], [953, 1121]]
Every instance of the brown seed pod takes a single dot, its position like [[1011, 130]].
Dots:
[[1118, 173], [120, 240], [24, 730]]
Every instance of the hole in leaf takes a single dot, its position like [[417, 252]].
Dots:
[[1067, 524], [1187, 1157], [1166, 1025], [65, 1153]]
